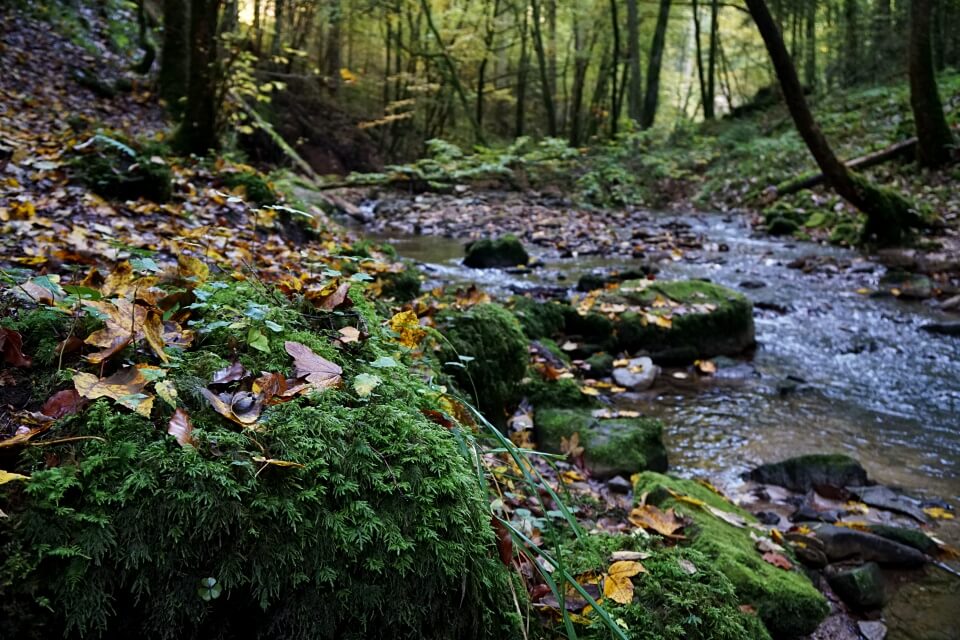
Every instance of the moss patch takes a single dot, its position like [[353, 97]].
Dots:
[[491, 340], [503, 252], [538, 319], [708, 320], [611, 447], [786, 601], [670, 603], [117, 170], [257, 190]]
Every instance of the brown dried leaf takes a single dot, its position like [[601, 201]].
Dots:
[[617, 584], [334, 299], [124, 321], [181, 427], [63, 403], [235, 371], [349, 334], [319, 372], [124, 387], [11, 348], [153, 332], [778, 560], [665, 523]]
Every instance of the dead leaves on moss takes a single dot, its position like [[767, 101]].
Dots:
[[125, 387]]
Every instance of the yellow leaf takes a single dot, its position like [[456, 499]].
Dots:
[[589, 391], [407, 327], [938, 513], [6, 476], [617, 584]]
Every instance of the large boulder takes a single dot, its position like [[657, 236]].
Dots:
[[803, 473], [785, 600], [500, 253], [860, 587], [621, 446], [485, 352], [672, 322]]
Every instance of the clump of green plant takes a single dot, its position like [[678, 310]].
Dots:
[[119, 169], [256, 188]]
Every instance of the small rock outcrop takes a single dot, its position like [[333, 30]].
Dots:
[[803, 473], [500, 253]]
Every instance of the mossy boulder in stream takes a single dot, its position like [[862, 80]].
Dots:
[[803, 473], [700, 320], [621, 446], [539, 319], [485, 353], [503, 252], [785, 600]]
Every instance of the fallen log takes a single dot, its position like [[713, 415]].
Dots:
[[904, 149]]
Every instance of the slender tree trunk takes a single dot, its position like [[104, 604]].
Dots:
[[635, 86], [581, 63], [546, 87], [522, 71], [933, 133], [888, 214], [654, 63], [810, 65], [614, 102], [695, 7], [198, 130], [332, 54], [852, 44], [175, 57], [278, 17], [710, 101], [257, 27]]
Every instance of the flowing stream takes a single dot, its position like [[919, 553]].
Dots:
[[835, 370]]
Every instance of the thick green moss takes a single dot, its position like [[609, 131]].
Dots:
[[669, 602], [726, 330], [593, 327], [402, 286], [890, 216], [111, 171], [611, 447], [786, 601], [555, 394], [505, 251], [495, 349], [256, 188], [538, 319], [383, 532]]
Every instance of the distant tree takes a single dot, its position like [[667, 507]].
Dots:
[[889, 215], [933, 134], [198, 130], [655, 62]]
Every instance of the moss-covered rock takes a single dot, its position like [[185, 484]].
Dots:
[[255, 187], [402, 286], [802, 473], [611, 447], [486, 354], [860, 587], [785, 600], [556, 394], [118, 171], [592, 328], [779, 226], [669, 602], [601, 364], [706, 320], [503, 252], [538, 319], [910, 537]]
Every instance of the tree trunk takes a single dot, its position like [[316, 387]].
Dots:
[[546, 86], [635, 82], [581, 63], [332, 53], [655, 62], [708, 105], [888, 214], [614, 102], [695, 7], [198, 131], [175, 57], [522, 78], [933, 134], [851, 49], [810, 65]]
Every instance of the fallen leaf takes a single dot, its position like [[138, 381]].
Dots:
[[319, 372], [125, 387], [688, 567], [349, 334], [181, 427], [617, 584], [778, 560], [438, 417], [62, 403], [706, 367], [571, 446], [504, 541], [332, 300], [365, 383], [665, 523], [11, 348], [6, 476], [407, 327], [235, 371], [242, 407], [167, 391], [276, 463], [938, 513], [629, 555]]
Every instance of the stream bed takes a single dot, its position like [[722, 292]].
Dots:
[[834, 369]]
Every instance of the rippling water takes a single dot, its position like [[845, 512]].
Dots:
[[874, 385]]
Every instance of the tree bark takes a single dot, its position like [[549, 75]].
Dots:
[[175, 57], [522, 71], [708, 105], [635, 82], [695, 8], [810, 64], [888, 214], [933, 133], [332, 53], [198, 130], [614, 101], [654, 63], [546, 86]]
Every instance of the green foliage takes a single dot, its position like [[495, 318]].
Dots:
[[119, 169], [486, 355], [785, 600], [256, 188]]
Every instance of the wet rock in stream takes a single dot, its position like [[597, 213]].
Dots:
[[803, 473]]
